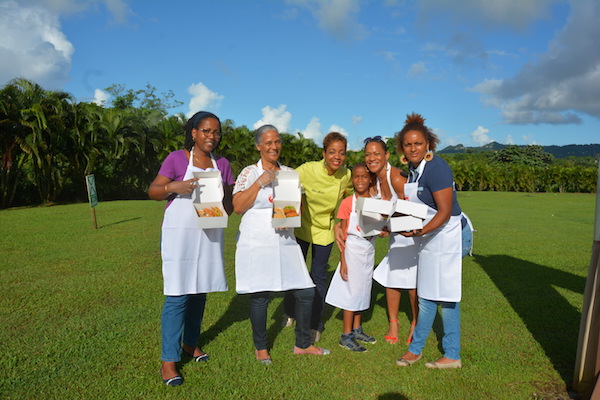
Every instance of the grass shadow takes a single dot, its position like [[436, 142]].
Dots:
[[119, 222], [238, 310], [551, 319]]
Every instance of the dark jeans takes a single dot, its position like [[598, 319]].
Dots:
[[318, 273], [258, 317]]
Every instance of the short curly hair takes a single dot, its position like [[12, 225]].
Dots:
[[334, 137], [415, 122]]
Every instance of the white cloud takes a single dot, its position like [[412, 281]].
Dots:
[[417, 69], [313, 130], [562, 84], [336, 17], [356, 119], [480, 137], [338, 129], [202, 98], [32, 46], [278, 117], [100, 97], [387, 55], [515, 13], [528, 139], [509, 140]]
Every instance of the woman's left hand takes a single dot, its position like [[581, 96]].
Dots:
[[413, 233]]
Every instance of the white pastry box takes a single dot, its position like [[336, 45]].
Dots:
[[405, 223], [373, 214], [412, 217], [406, 207], [286, 194], [209, 200]]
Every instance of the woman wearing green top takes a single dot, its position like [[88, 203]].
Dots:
[[325, 183]]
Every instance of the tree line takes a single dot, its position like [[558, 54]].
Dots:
[[49, 142]]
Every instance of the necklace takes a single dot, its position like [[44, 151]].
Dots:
[[200, 165]]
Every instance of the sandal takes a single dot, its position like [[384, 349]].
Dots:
[[391, 339], [319, 351]]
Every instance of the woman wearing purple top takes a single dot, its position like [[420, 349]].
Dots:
[[192, 258]]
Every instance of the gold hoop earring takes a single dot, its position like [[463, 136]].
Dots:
[[403, 160], [428, 155]]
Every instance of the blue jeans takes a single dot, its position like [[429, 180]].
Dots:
[[450, 320], [259, 303], [181, 321], [318, 273]]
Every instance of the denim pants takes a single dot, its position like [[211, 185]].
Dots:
[[181, 321], [450, 320], [259, 303], [318, 273]]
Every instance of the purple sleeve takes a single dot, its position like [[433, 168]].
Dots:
[[174, 166], [226, 172]]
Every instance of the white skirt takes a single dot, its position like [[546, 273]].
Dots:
[[355, 293], [398, 269]]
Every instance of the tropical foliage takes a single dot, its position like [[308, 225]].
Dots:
[[49, 143]]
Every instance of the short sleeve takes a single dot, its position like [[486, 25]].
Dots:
[[441, 178], [170, 168], [245, 179], [345, 208], [226, 172]]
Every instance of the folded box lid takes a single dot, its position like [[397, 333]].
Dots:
[[286, 186], [369, 204], [209, 187], [406, 207]]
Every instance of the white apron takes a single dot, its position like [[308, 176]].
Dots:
[[440, 259], [398, 269], [267, 260], [192, 257], [355, 293]]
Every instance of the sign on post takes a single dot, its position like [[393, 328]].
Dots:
[[93, 197]]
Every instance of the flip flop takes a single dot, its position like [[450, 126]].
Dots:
[[391, 339]]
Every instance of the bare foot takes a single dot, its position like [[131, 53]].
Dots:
[[168, 370], [195, 351], [392, 335]]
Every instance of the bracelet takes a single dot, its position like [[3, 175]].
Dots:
[[167, 190], [260, 183]]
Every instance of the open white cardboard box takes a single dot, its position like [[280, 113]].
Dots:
[[209, 194], [373, 214], [411, 208], [414, 214], [287, 192]]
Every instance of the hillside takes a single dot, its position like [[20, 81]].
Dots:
[[571, 150]]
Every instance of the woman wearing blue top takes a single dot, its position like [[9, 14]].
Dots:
[[440, 259]]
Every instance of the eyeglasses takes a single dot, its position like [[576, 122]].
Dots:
[[207, 132], [373, 139]]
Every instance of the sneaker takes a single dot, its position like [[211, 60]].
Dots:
[[349, 343], [315, 335], [287, 321], [363, 337]]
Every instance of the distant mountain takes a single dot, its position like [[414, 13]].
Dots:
[[571, 150]]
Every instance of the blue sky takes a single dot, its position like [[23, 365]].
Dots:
[[511, 71]]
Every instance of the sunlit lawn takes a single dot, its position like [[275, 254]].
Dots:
[[80, 312]]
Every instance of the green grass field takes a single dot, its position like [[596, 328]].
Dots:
[[80, 311]]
